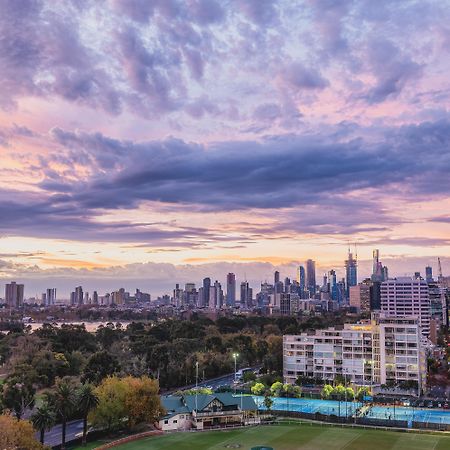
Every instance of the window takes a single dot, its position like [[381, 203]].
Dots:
[[166, 422], [175, 421]]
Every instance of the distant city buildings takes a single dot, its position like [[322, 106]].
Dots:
[[14, 295]]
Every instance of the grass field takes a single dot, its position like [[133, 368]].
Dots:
[[293, 437]]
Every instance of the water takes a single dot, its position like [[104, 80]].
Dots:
[[329, 407]]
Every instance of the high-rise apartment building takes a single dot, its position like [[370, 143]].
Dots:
[[231, 289], [407, 297], [383, 350], [311, 276], [14, 295]]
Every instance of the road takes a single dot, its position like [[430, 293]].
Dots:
[[74, 429]]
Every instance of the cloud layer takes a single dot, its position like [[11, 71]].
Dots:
[[191, 129]]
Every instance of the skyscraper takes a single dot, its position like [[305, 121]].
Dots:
[[231, 289], [50, 297], [14, 295], [311, 276], [301, 278], [276, 277], [206, 286], [246, 295], [79, 295], [428, 274], [351, 275]]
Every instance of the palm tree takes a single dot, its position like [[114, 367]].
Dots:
[[43, 419], [87, 400], [63, 400]]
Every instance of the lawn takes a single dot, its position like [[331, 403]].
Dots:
[[292, 437]]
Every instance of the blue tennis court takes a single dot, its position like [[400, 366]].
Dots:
[[343, 409], [410, 414]]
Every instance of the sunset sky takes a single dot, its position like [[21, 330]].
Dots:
[[148, 142]]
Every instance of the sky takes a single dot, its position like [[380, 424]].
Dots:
[[148, 142]]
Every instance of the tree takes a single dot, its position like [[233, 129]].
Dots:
[[62, 400], [99, 366], [350, 393], [249, 376], [276, 388], [87, 400], [258, 389], [268, 402], [290, 390], [43, 419], [339, 392], [18, 395], [362, 392], [17, 434], [327, 391], [111, 411], [142, 402]]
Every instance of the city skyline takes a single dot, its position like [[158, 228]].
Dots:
[[180, 140], [159, 283]]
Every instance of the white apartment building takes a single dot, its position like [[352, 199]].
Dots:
[[386, 349], [405, 297]]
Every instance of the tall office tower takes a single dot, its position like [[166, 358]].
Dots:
[[276, 277], [311, 276], [360, 296], [14, 295], [375, 261], [215, 296], [206, 287], [199, 302], [333, 285], [379, 272], [301, 277], [87, 300], [231, 289], [95, 298], [428, 274], [287, 285], [177, 295], [417, 276], [405, 297], [50, 297], [246, 295], [351, 274], [78, 296]]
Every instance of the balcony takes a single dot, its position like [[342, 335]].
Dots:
[[234, 412]]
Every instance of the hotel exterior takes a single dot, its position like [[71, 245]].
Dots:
[[386, 350]]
